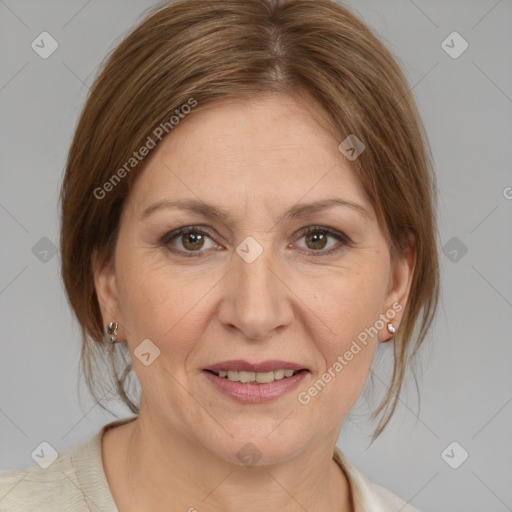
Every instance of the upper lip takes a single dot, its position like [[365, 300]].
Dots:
[[246, 366]]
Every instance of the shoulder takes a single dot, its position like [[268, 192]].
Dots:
[[35, 488], [75, 481], [368, 496], [391, 501]]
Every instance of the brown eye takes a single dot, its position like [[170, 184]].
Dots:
[[192, 240], [316, 240], [188, 241]]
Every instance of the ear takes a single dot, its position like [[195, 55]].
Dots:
[[399, 286], [107, 293]]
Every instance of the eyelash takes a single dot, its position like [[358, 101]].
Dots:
[[341, 237]]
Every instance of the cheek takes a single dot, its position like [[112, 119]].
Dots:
[[344, 302], [343, 307], [166, 304]]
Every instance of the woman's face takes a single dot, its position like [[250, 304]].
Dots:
[[249, 283]]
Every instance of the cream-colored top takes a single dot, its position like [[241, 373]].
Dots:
[[76, 482]]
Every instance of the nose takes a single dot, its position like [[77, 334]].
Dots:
[[256, 299]]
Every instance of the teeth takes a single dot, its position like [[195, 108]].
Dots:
[[264, 378], [246, 376], [234, 376], [256, 377], [279, 374]]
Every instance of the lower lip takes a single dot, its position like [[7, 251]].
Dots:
[[254, 393]]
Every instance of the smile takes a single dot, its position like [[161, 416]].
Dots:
[[248, 382], [255, 377]]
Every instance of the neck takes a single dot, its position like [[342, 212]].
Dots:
[[156, 466]]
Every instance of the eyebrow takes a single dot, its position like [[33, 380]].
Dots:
[[222, 215]]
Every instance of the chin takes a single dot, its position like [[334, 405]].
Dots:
[[257, 448]]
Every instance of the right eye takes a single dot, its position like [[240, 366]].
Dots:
[[188, 239]]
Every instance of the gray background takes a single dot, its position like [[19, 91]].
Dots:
[[464, 372]]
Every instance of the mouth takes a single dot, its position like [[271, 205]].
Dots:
[[255, 382], [247, 377]]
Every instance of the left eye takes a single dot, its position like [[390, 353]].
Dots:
[[316, 239]]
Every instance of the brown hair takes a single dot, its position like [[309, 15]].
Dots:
[[220, 49]]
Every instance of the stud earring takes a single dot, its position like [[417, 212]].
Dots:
[[391, 328], [112, 332]]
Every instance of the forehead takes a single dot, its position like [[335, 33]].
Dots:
[[266, 151]]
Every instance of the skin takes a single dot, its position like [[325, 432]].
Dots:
[[256, 159]]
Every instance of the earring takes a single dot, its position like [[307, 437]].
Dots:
[[391, 328], [112, 332]]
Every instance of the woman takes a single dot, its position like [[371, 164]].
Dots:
[[247, 212]]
